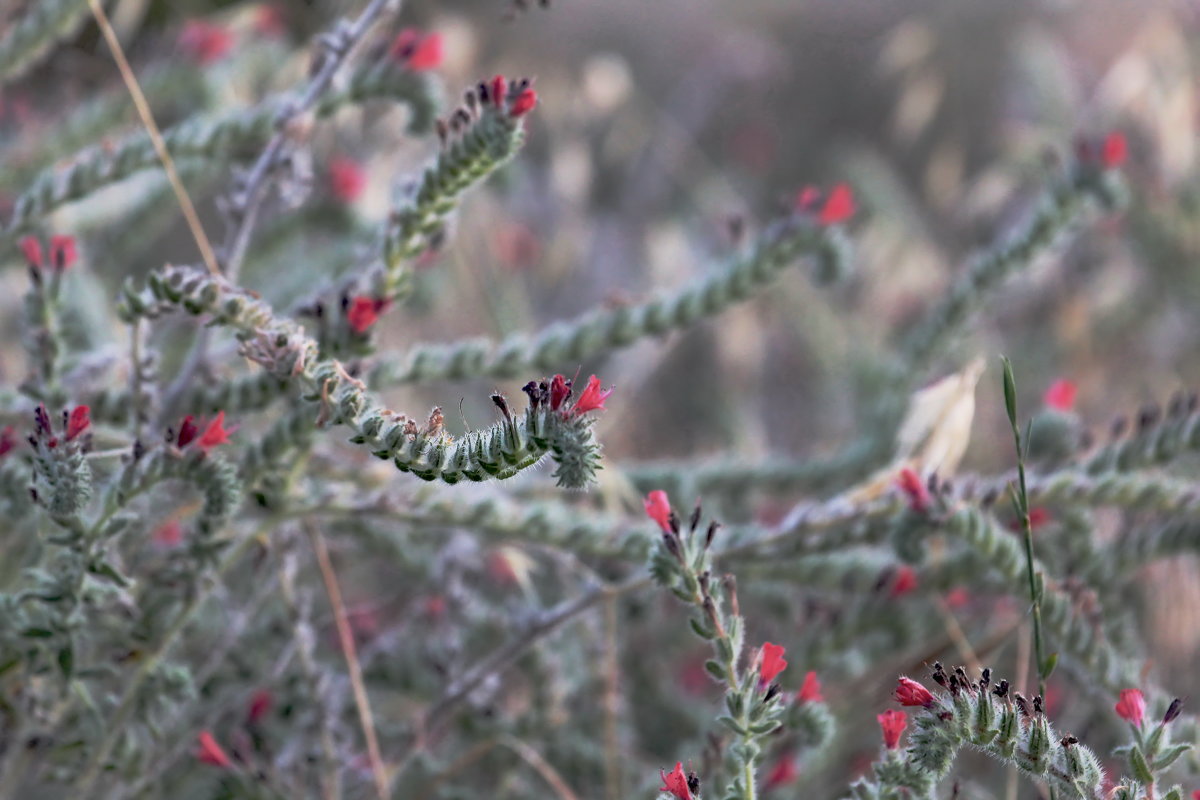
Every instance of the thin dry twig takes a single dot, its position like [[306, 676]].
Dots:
[[160, 146], [346, 638]]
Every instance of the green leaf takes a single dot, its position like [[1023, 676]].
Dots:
[[1048, 665], [37, 633], [715, 669], [702, 630], [1170, 754], [1010, 391], [66, 661], [105, 570], [1141, 770]]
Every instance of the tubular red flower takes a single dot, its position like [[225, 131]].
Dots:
[[427, 54], [910, 693], [893, 724], [675, 782], [216, 433], [784, 772], [205, 41], [1060, 395], [1114, 150], [773, 662], [524, 103], [260, 705], [1131, 707], [839, 206], [78, 422], [658, 508], [62, 251], [560, 390], [32, 249], [810, 690], [346, 179], [499, 89], [911, 484], [593, 397], [211, 753], [906, 581], [363, 313], [187, 431]]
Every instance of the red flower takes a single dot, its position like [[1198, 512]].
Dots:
[[658, 508], [269, 20], [560, 390], [78, 422], [1060, 395], [204, 41], [1131, 707], [1196, 795], [593, 397], [62, 251], [418, 51], [810, 690], [1114, 150], [260, 705], [364, 312], [169, 534], [910, 693], [187, 431], [784, 772], [1038, 517], [839, 206], [7, 439], [957, 597], [211, 753], [499, 89], [772, 662], [524, 103], [346, 179], [676, 783], [216, 433], [911, 484], [906, 581], [32, 248], [806, 198], [893, 724]]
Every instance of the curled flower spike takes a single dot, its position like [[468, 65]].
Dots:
[[658, 508], [1060, 395], [62, 252], [78, 422], [593, 397], [1131, 707], [918, 493], [892, 723], [773, 662], [32, 250], [211, 753], [216, 433], [346, 179], [676, 782], [810, 690], [910, 693]]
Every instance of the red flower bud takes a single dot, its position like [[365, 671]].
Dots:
[[260, 705], [524, 103], [32, 248], [211, 753], [810, 690], [1060, 395], [204, 41], [1131, 707], [893, 724], [346, 179], [1114, 150], [784, 772], [8, 439], [911, 484], [910, 693], [62, 251], [363, 313], [773, 663], [839, 206], [676, 783], [187, 431], [906, 581], [658, 508], [78, 422], [560, 390], [216, 433]]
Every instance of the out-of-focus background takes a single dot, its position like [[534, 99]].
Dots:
[[667, 132]]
